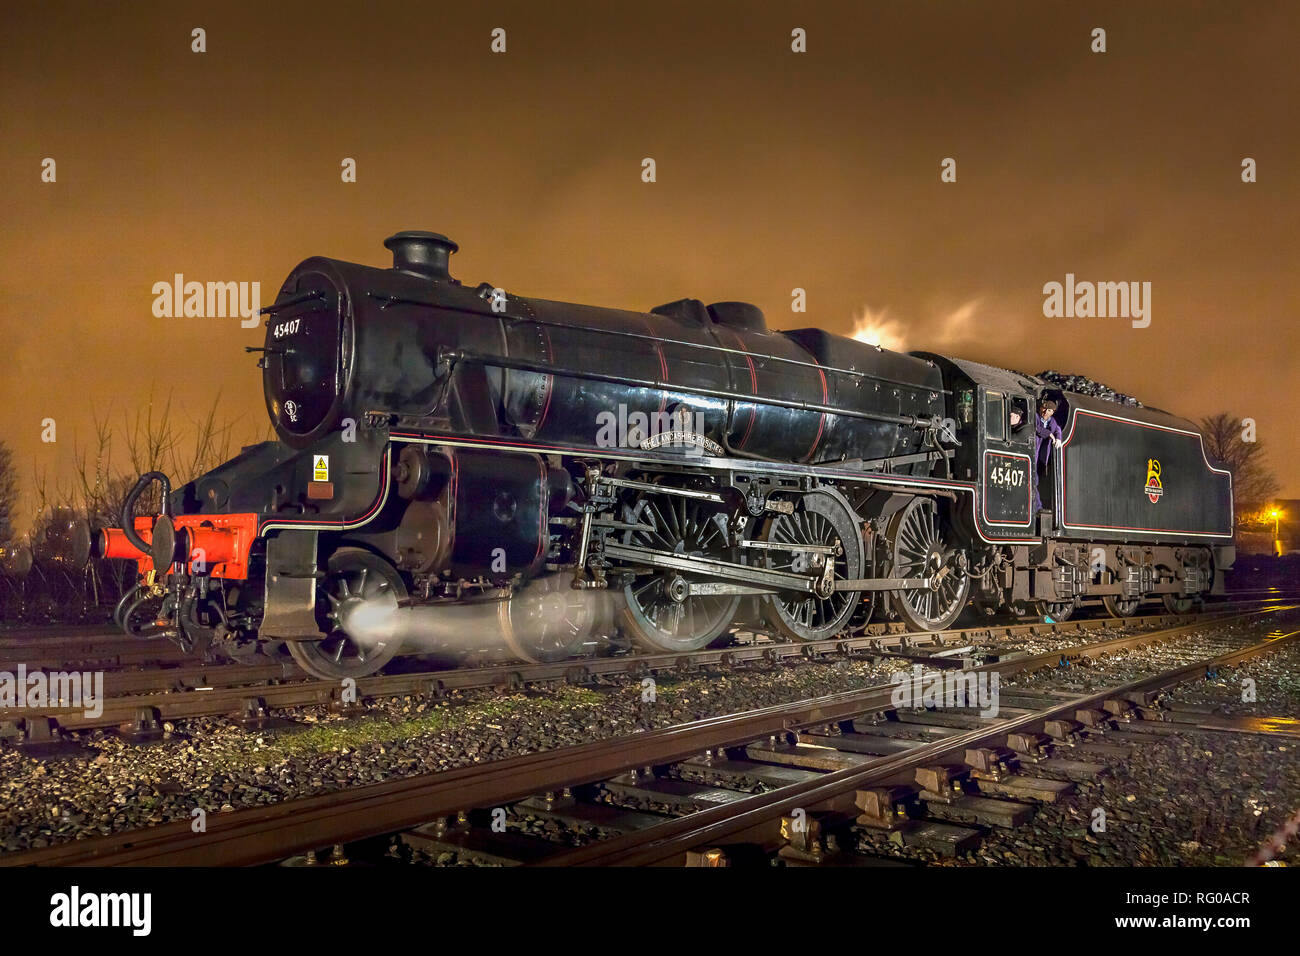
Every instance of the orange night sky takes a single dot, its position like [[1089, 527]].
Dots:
[[775, 170]]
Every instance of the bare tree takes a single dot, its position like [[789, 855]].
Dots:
[[8, 494], [1253, 483], [155, 437]]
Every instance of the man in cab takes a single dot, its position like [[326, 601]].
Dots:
[[1046, 434]]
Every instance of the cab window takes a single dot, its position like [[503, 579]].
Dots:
[[995, 416], [1024, 431]]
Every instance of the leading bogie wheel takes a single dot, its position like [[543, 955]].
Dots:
[[1178, 604], [355, 578]]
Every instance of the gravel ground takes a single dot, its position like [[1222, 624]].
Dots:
[[1194, 799], [220, 767], [1276, 685]]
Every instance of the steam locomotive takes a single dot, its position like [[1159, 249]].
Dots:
[[668, 476]]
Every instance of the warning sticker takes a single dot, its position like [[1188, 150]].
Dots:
[[320, 467]]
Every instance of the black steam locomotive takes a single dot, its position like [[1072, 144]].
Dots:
[[670, 476]]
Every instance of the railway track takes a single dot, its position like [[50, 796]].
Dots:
[[142, 699], [99, 647], [1003, 758], [833, 783]]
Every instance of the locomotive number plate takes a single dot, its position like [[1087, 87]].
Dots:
[[1006, 489]]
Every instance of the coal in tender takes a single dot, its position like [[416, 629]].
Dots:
[[1083, 385]]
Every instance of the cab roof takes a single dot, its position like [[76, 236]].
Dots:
[[989, 376]]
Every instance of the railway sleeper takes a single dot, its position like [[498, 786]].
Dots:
[[1024, 787], [997, 771], [860, 743], [478, 844], [941, 839], [984, 811], [587, 814], [747, 775], [43, 739], [678, 796]]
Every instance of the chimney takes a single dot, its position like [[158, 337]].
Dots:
[[422, 253]]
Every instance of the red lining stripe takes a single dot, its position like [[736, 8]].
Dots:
[[821, 422], [663, 364], [753, 387], [378, 503]]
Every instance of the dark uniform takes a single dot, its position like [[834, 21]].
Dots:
[[1044, 432]]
